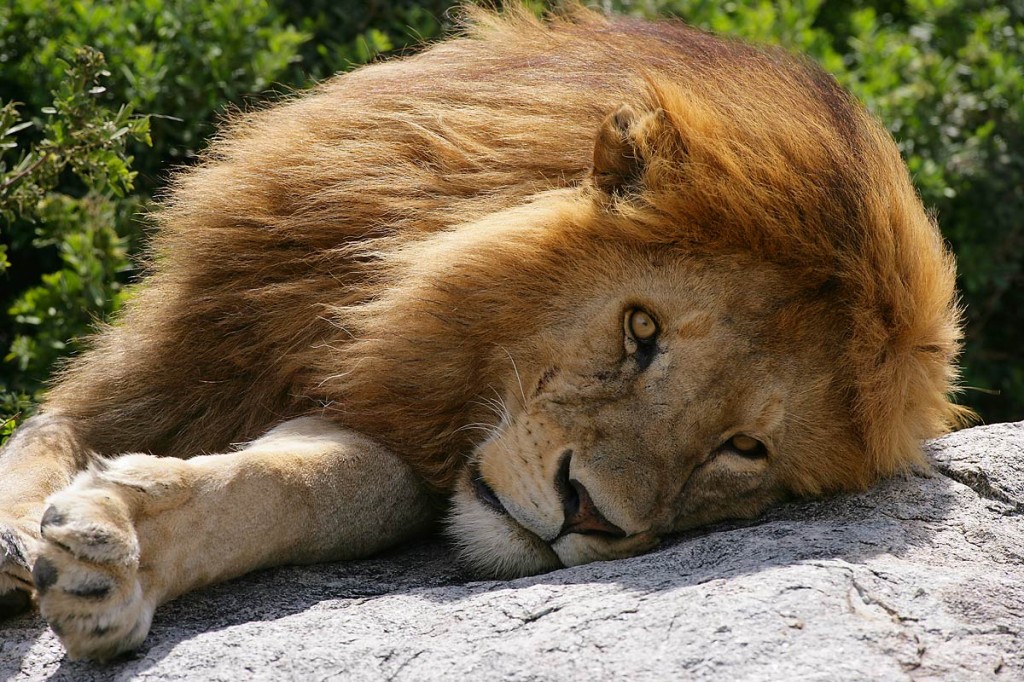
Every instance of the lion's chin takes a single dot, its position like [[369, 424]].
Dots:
[[492, 544]]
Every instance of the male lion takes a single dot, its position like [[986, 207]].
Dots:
[[592, 280]]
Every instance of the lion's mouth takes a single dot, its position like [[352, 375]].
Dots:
[[485, 493]]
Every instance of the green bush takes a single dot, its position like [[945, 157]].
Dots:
[[346, 33], [182, 61], [65, 190], [944, 75]]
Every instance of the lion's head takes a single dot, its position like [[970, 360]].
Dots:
[[662, 392], [734, 297]]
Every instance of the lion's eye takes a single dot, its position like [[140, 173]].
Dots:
[[641, 325], [746, 446]]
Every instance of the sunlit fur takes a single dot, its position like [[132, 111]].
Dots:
[[377, 250]]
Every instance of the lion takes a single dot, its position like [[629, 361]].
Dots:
[[573, 284]]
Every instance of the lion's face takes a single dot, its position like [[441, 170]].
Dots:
[[740, 300], [670, 396]]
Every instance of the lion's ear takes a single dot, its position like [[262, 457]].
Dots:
[[620, 148]]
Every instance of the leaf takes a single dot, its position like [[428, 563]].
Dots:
[[17, 128]]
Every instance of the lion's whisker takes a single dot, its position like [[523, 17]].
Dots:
[[518, 378]]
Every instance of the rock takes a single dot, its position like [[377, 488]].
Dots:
[[919, 578]]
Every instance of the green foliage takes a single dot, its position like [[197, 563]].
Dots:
[[946, 76], [63, 190], [347, 33], [180, 60], [77, 134]]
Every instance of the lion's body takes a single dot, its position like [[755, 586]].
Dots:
[[382, 251]]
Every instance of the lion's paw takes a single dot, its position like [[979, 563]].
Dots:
[[87, 572], [15, 572]]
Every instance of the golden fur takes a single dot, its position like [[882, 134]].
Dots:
[[298, 211], [439, 247]]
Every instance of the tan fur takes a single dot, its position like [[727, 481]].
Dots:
[[436, 255]]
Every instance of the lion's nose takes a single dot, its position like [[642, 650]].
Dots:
[[581, 514]]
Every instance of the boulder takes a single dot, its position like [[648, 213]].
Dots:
[[921, 577]]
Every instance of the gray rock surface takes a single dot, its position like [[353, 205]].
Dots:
[[919, 578]]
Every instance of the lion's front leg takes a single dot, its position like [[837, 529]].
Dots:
[[139, 530]]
